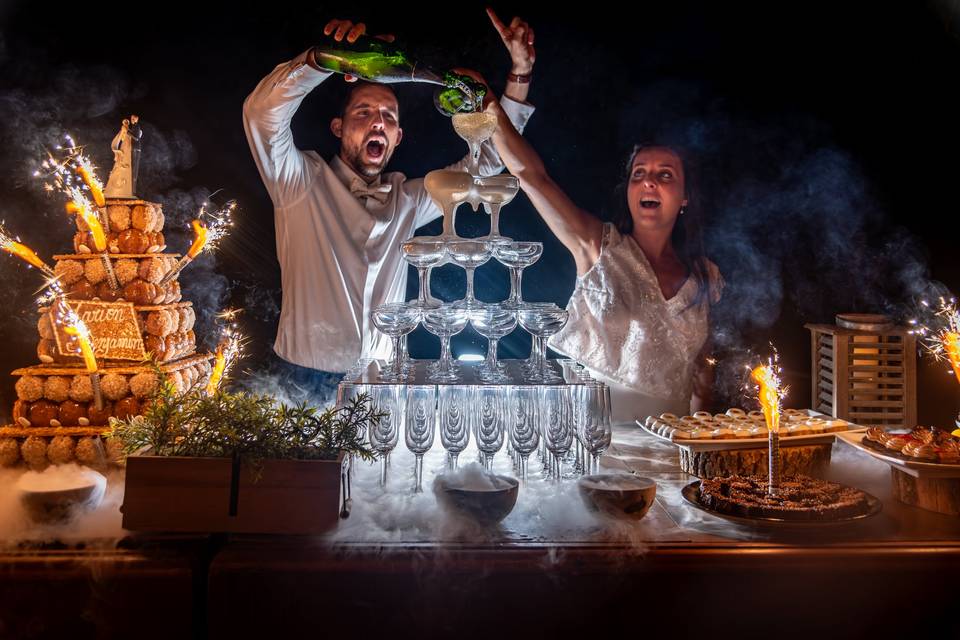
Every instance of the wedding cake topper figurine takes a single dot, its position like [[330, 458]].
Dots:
[[122, 182]]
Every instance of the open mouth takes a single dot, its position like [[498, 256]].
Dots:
[[649, 203], [375, 149]]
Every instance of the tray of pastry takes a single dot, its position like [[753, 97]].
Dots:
[[739, 429], [924, 452]]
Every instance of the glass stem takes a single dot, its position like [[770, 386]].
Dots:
[[444, 366], [542, 355], [488, 461], [448, 222], [491, 362], [474, 159], [424, 274], [396, 354], [523, 469], [494, 220], [418, 473], [519, 299], [383, 470], [514, 289], [469, 297], [452, 460]]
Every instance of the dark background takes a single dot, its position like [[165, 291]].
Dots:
[[824, 133]]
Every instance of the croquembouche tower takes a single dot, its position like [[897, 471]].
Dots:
[[123, 287]]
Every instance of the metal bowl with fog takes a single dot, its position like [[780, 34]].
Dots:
[[52, 497], [620, 495], [484, 497]]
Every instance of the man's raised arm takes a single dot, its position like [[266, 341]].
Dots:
[[267, 113]]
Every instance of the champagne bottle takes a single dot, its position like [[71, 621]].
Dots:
[[460, 93], [378, 61], [373, 60]]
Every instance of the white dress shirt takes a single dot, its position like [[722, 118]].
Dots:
[[339, 254]]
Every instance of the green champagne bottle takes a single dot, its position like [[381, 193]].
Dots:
[[460, 94], [378, 61]]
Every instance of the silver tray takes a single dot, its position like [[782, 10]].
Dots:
[[369, 374], [691, 493]]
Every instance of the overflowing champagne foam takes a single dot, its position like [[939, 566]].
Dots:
[[448, 189], [475, 127]]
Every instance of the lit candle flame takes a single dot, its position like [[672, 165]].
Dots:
[[768, 394], [199, 239], [86, 171]]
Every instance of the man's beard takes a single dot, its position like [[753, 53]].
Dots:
[[369, 170]]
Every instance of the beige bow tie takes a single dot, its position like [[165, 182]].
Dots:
[[380, 192]]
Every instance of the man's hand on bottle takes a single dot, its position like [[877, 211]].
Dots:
[[518, 39], [341, 29]]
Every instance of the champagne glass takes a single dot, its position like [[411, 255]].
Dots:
[[469, 254], [595, 424], [475, 128], [424, 254], [537, 318], [395, 320], [444, 322], [558, 428], [524, 423], [420, 423], [385, 432], [454, 409], [517, 256], [493, 323], [489, 423], [449, 189], [495, 192]]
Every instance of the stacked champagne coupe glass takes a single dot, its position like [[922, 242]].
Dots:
[[553, 409]]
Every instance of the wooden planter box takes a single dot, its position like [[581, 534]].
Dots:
[[210, 495]]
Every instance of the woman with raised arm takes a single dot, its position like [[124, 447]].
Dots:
[[639, 314]]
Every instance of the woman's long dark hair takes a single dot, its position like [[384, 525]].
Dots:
[[687, 235]]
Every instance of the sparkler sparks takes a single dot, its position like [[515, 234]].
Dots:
[[217, 222], [209, 228], [940, 336], [229, 351]]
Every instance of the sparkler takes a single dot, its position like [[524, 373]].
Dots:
[[942, 339], [13, 246], [229, 351], [81, 207], [770, 395], [74, 326], [208, 229]]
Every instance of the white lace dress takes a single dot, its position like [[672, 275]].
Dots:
[[621, 328]]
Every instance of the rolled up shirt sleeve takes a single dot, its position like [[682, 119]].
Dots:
[[267, 114]]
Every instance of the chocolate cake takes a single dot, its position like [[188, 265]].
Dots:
[[799, 498]]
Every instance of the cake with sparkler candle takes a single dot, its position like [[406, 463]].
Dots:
[[777, 496], [112, 323], [735, 442]]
